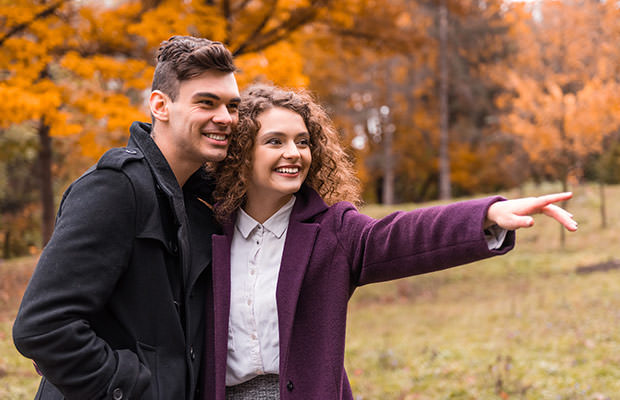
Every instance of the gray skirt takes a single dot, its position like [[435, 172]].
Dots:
[[263, 387]]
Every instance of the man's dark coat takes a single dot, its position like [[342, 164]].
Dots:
[[115, 307]]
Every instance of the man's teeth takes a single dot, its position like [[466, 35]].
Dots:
[[215, 136], [287, 170]]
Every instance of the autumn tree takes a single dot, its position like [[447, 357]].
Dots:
[[402, 72], [562, 97], [76, 71], [65, 79]]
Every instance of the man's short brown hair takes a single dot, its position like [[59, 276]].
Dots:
[[185, 57]]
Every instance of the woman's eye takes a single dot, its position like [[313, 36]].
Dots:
[[304, 142], [273, 141]]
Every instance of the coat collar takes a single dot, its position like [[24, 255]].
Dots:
[[200, 182], [141, 138], [308, 204], [276, 224]]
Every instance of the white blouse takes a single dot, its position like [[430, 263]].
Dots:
[[253, 336]]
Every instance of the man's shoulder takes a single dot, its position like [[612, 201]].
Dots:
[[119, 158], [116, 165]]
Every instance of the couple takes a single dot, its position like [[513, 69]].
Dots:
[[149, 291]]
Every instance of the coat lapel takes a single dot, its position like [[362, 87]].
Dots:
[[221, 302], [295, 259]]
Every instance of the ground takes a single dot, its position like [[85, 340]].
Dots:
[[540, 323]]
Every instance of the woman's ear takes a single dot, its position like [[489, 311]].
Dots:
[[158, 103]]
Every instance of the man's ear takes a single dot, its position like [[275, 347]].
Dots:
[[158, 103]]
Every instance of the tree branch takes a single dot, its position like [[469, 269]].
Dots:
[[23, 26], [226, 12], [298, 18], [241, 6], [257, 29]]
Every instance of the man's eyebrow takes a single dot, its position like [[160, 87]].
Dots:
[[207, 94], [213, 96]]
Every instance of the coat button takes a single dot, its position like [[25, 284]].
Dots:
[[289, 386], [192, 355], [117, 394]]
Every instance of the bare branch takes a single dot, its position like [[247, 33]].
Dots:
[[241, 6], [259, 27], [299, 17]]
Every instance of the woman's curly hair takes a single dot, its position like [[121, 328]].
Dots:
[[331, 172]]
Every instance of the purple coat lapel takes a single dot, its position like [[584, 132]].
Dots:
[[297, 250], [300, 238], [221, 303]]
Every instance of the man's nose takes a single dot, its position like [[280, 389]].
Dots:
[[222, 116]]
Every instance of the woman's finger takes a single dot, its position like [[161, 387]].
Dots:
[[560, 215]]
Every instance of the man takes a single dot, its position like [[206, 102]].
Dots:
[[116, 306]]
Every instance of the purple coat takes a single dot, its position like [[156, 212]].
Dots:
[[330, 251]]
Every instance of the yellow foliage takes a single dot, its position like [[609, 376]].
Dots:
[[60, 125], [175, 17], [562, 85], [280, 64], [107, 26]]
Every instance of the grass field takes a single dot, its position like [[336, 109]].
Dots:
[[523, 326]]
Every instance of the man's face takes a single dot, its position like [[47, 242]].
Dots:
[[202, 116]]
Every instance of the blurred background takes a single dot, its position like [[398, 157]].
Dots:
[[435, 100]]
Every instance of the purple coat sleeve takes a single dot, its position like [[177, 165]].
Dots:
[[416, 242]]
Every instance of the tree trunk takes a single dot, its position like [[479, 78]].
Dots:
[[388, 165], [388, 139], [45, 182], [6, 251], [564, 206], [445, 189], [601, 188]]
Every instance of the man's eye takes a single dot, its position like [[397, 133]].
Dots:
[[206, 102], [233, 107]]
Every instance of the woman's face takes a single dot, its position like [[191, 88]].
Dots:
[[281, 155]]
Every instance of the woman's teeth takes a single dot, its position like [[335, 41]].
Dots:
[[287, 170]]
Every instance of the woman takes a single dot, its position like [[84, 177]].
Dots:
[[293, 251]]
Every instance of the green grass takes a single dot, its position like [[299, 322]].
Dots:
[[520, 326]]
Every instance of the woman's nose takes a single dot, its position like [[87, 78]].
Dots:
[[291, 151]]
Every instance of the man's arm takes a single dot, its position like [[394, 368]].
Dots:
[[76, 274]]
